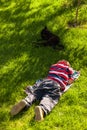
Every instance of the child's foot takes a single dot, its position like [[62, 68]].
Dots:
[[18, 107], [39, 113]]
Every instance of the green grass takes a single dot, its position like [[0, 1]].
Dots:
[[22, 64]]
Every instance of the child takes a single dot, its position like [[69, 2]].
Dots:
[[48, 90]]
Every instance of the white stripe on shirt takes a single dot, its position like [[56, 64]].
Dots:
[[55, 72]]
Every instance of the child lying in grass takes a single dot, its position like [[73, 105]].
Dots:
[[48, 90]]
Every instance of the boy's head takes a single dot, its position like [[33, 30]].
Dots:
[[64, 62]]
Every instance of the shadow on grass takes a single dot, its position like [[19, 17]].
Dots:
[[20, 61]]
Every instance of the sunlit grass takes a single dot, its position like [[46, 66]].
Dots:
[[21, 63]]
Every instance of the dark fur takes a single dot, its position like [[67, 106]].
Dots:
[[49, 39]]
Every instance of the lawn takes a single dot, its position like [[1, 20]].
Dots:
[[21, 63]]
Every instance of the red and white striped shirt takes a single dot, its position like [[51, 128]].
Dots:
[[61, 73]]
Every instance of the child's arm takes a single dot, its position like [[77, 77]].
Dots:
[[73, 75], [70, 81]]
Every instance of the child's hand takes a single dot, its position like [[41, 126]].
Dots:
[[70, 81]]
